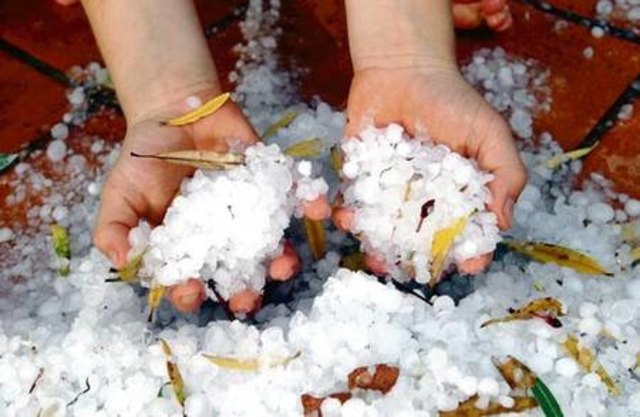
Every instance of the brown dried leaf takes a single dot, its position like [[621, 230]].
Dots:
[[589, 363], [316, 237], [216, 161], [469, 409], [383, 379], [311, 404], [516, 374], [545, 308], [175, 377]]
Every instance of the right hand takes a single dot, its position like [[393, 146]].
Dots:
[[143, 188]]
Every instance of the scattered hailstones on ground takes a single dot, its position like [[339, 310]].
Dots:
[[226, 225], [404, 191]]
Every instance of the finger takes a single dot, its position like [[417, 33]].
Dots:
[[490, 7], [475, 265], [498, 19], [498, 155], [375, 263], [188, 296], [343, 218], [318, 209], [223, 128], [245, 302], [115, 219], [285, 266], [467, 16]]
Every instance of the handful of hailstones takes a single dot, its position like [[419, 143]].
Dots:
[[417, 206], [225, 226]]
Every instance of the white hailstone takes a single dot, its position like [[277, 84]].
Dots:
[[443, 303], [355, 407], [438, 358], [588, 309], [600, 213], [567, 367], [56, 150], [403, 198], [489, 386], [59, 131], [468, 385], [77, 96], [622, 311], [588, 52], [632, 207], [93, 188], [633, 288], [193, 102], [625, 113], [597, 32], [60, 213], [590, 325], [6, 234], [305, 168], [634, 402], [506, 401], [604, 7]]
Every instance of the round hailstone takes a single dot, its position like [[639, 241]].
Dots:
[[56, 150], [6, 234], [225, 225], [405, 190]]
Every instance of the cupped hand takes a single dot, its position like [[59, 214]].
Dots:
[[437, 102], [143, 188]]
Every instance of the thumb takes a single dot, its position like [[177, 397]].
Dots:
[[115, 219]]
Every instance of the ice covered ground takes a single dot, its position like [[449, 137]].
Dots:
[[80, 347]]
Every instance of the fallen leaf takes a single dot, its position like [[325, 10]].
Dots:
[[6, 160], [589, 363], [546, 308], [60, 240], [205, 110], [211, 160], [175, 377], [560, 159], [129, 272], [442, 242], [247, 365], [154, 298], [546, 400], [307, 148], [282, 122], [469, 408], [353, 261], [559, 255], [382, 379], [316, 237], [516, 374], [336, 160], [311, 405]]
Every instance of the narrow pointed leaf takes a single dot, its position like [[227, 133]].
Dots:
[[247, 365], [60, 241], [215, 161], [353, 261], [308, 148], [516, 374], [205, 110], [6, 160], [336, 160], [546, 400], [316, 237], [129, 272], [282, 122], [543, 308], [559, 255], [177, 383], [558, 160], [442, 242], [589, 363], [154, 298]]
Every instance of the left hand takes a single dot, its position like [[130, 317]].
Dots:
[[436, 102]]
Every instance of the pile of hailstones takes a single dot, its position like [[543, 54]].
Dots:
[[226, 226]]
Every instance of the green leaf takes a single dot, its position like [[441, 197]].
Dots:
[[6, 160], [284, 121], [546, 400], [61, 247]]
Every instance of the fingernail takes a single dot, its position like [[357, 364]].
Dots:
[[508, 211], [113, 255], [189, 299]]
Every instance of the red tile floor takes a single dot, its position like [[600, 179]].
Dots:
[[582, 89]]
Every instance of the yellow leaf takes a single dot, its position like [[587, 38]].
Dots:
[[469, 408], [635, 254], [629, 232], [540, 307], [558, 160], [154, 298], [205, 110], [308, 148], [336, 160], [215, 161], [282, 122], [246, 365], [173, 371], [516, 374], [60, 240], [538, 286], [129, 272], [559, 255], [316, 237], [442, 242], [589, 363]]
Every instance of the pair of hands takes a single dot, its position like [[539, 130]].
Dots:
[[437, 100]]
